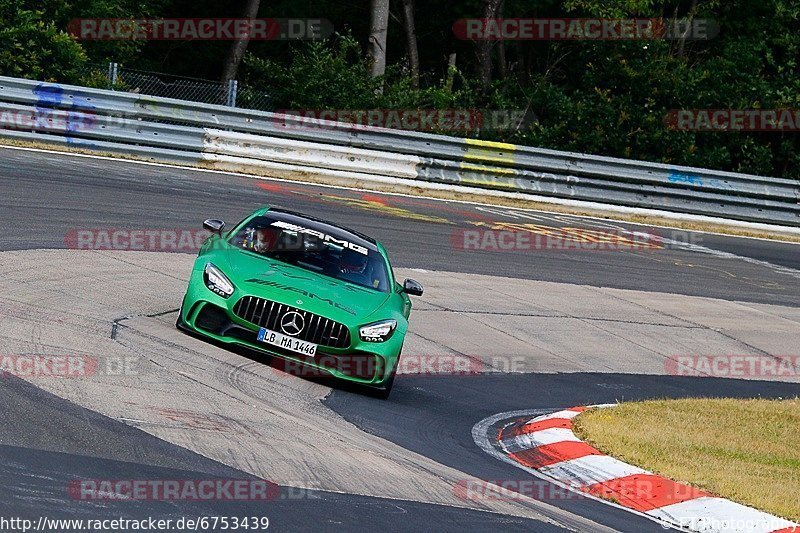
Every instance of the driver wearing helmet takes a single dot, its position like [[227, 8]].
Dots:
[[261, 240], [353, 267]]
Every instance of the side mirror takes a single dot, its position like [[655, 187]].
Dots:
[[412, 287], [214, 225]]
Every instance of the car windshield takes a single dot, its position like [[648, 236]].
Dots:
[[313, 250]]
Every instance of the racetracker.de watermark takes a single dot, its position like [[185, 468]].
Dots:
[[148, 240], [509, 237], [461, 365], [173, 490], [581, 29], [645, 488], [68, 366], [42, 119], [432, 365], [199, 29], [734, 366], [474, 490], [456, 120], [734, 120]]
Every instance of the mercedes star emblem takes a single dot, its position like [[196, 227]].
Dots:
[[292, 323]]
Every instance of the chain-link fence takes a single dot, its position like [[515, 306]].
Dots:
[[185, 88], [249, 98]]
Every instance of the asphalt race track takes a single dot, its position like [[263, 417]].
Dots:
[[41, 463], [546, 328], [46, 195]]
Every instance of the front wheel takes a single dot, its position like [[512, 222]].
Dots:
[[179, 321], [384, 393]]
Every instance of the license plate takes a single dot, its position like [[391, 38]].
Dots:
[[287, 343]]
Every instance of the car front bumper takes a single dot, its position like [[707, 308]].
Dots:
[[368, 363]]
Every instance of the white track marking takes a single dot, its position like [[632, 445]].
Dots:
[[481, 438], [539, 438], [704, 514], [590, 470]]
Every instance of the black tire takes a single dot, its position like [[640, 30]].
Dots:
[[383, 394]]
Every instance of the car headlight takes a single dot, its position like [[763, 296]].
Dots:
[[377, 331], [217, 282]]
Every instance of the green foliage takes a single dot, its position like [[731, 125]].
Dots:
[[335, 76], [611, 8], [33, 47], [317, 76]]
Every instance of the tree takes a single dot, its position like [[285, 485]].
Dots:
[[239, 46], [378, 29], [31, 46], [483, 48], [411, 41]]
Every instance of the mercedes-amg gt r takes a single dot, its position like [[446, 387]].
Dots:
[[317, 295]]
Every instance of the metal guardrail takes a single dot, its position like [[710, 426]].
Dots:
[[237, 139]]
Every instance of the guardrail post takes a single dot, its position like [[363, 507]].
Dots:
[[233, 86], [113, 69]]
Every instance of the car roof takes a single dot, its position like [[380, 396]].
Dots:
[[324, 226]]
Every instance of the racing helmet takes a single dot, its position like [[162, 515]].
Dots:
[[352, 262]]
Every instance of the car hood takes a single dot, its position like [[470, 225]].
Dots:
[[271, 279]]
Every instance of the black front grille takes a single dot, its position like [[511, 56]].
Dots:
[[268, 314]]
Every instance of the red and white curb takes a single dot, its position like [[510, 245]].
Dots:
[[542, 443]]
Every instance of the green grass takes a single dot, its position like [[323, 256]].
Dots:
[[744, 450]]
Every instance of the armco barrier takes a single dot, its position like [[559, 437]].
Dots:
[[309, 154], [245, 140]]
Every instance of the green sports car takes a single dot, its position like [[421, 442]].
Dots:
[[321, 297]]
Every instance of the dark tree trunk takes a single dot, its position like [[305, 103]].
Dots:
[[378, 28], [239, 46], [502, 66], [411, 41], [484, 48], [451, 72]]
